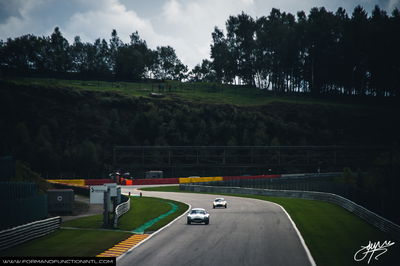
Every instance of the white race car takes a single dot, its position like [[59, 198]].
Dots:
[[220, 202], [198, 215]]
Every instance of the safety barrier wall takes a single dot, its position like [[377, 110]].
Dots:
[[81, 182], [183, 180], [76, 182], [369, 216], [97, 182], [23, 233], [156, 181], [159, 181]]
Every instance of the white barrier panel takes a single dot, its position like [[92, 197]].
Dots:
[[20, 234], [97, 194]]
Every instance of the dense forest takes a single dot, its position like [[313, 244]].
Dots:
[[322, 53]]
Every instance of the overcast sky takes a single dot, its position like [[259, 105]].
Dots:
[[186, 25]]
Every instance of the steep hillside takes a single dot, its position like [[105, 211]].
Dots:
[[64, 129]]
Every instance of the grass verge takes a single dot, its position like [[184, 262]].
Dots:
[[89, 240], [143, 209], [68, 243], [147, 208], [332, 233]]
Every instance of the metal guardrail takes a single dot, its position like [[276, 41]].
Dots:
[[17, 235], [365, 214], [121, 209], [310, 175]]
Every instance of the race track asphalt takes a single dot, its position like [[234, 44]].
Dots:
[[248, 232]]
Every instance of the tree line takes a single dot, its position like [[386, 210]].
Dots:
[[322, 53], [53, 56]]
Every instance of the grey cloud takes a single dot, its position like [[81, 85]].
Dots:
[[9, 9], [293, 6], [391, 5], [149, 9]]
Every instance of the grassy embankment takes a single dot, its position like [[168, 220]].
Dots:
[[209, 93], [90, 240], [332, 233]]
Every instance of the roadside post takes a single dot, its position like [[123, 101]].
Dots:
[[106, 217]]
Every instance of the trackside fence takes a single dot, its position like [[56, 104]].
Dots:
[[121, 209], [21, 203], [369, 216], [23, 233]]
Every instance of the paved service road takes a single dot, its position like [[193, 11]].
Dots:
[[248, 232]]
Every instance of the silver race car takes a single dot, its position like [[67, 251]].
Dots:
[[220, 202], [198, 215]]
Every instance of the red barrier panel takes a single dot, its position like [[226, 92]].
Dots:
[[155, 181], [250, 177], [97, 182]]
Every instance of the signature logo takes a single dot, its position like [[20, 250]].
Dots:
[[372, 249]]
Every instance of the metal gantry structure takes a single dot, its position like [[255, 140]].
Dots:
[[242, 160]]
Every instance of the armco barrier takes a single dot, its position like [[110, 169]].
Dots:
[[371, 217], [23, 233]]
